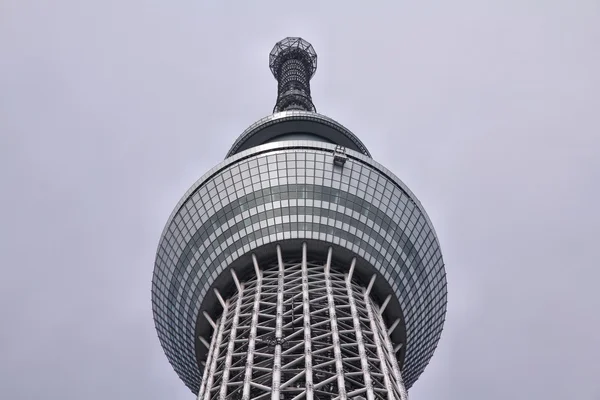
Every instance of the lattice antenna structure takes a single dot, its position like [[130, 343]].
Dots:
[[293, 62]]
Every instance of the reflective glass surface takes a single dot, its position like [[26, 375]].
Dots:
[[290, 190]]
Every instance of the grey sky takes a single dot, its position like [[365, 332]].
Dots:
[[489, 111]]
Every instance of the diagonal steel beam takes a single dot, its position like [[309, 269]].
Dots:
[[364, 363], [380, 350], [215, 351], [231, 345]]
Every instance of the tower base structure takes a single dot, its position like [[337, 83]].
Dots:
[[301, 328]]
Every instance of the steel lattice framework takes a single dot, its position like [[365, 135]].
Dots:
[[300, 329], [293, 62], [299, 267]]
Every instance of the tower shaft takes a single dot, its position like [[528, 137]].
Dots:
[[298, 268], [301, 328]]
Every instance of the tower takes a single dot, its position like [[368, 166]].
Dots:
[[298, 267]]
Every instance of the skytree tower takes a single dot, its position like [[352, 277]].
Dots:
[[298, 268]]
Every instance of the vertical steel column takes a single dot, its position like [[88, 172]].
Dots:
[[335, 337], [340, 350], [252, 334], [208, 364], [364, 362], [278, 329], [380, 351], [307, 333], [231, 345], [215, 355], [392, 356]]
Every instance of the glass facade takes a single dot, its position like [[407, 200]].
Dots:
[[293, 190]]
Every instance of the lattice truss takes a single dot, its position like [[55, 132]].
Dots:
[[301, 330], [293, 62]]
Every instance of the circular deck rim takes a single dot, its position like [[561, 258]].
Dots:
[[284, 122], [319, 146]]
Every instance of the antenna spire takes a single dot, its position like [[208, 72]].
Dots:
[[293, 62]]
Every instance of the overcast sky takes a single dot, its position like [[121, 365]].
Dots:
[[488, 110]]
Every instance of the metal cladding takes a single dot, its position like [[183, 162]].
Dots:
[[277, 125], [299, 267], [293, 62]]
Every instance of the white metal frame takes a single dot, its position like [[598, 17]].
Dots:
[[301, 330]]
